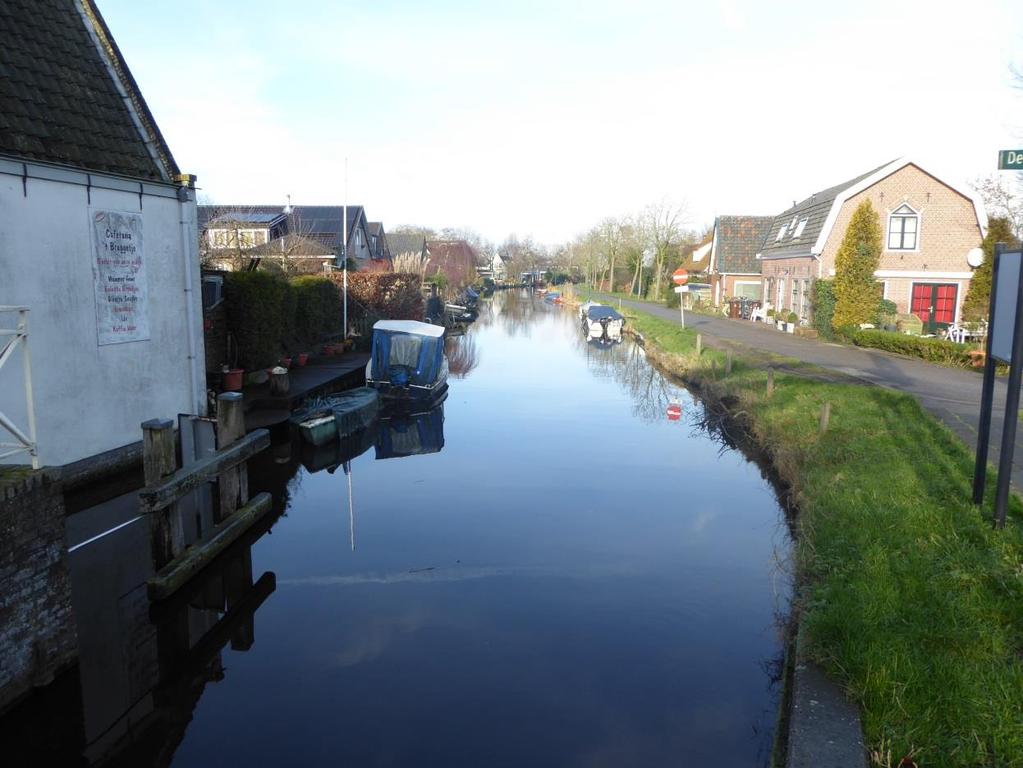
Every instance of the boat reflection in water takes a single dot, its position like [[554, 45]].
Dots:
[[410, 434]]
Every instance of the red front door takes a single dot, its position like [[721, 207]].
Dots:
[[934, 304]]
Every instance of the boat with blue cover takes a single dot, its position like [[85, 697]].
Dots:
[[407, 364], [603, 323]]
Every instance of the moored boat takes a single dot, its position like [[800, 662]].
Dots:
[[604, 323], [407, 364], [325, 419]]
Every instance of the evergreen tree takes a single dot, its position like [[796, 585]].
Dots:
[[978, 297], [856, 293]]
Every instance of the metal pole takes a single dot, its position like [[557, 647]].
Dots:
[[29, 397], [682, 308], [1011, 412], [344, 254], [987, 393]]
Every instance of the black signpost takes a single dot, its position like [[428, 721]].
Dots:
[[1004, 344]]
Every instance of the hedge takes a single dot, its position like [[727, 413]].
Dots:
[[932, 350], [260, 317], [317, 309], [382, 295]]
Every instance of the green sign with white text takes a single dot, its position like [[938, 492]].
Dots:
[[1010, 160]]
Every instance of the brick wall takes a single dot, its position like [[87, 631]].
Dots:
[[37, 628], [948, 230]]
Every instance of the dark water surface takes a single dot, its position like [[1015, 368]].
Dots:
[[572, 580]]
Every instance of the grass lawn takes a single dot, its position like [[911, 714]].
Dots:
[[912, 600]]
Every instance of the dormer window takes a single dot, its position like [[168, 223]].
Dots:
[[903, 229]]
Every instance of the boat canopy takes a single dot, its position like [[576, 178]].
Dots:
[[409, 326], [407, 353], [600, 312]]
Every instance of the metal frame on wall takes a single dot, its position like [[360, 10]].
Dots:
[[1005, 344]]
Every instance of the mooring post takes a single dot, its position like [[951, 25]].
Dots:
[[158, 461], [234, 482], [237, 583], [825, 416], [699, 344], [770, 383], [728, 362]]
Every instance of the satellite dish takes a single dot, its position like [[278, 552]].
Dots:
[[975, 257]]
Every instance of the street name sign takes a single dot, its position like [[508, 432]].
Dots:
[[1010, 160]]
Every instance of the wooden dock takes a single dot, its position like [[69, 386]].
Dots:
[[320, 376]]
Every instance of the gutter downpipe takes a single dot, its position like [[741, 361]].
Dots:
[[189, 248]]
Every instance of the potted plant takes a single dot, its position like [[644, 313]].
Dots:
[[303, 357], [793, 321], [231, 378], [770, 316], [285, 362]]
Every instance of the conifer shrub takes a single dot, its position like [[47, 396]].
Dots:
[[855, 264], [978, 296]]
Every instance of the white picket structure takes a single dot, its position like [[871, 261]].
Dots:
[[10, 339]]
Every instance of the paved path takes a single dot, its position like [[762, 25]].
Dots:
[[951, 394]]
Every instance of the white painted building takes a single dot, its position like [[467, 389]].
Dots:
[[98, 240]]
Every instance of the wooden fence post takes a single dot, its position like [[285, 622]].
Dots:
[[770, 383], [699, 344], [728, 362], [234, 482], [825, 416], [158, 461]]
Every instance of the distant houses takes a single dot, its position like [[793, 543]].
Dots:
[[301, 238]]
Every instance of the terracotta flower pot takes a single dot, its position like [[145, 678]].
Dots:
[[231, 381], [302, 359]]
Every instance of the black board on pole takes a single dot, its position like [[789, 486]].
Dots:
[[1004, 344]]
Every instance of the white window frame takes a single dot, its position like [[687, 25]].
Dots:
[[799, 228], [888, 231], [781, 232]]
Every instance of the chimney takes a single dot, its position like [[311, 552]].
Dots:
[[287, 207]]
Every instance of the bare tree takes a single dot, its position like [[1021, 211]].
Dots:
[[1003, 197], [662, 225]]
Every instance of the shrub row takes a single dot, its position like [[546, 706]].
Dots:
[[268, 315], [932, 350]]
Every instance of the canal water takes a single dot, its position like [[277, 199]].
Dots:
[[547, 571]]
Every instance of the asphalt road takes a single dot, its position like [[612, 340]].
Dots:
[[951, 394]]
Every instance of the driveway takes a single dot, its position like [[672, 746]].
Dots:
[[951, 394]]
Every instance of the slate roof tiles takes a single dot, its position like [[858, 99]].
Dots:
[[59, 101]]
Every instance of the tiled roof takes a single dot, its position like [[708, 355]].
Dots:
[[292, 245], [59, 94], [815, 210], [737, 241], [320, 222], [402, 242]]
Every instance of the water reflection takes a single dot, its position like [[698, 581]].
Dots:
[[463, 354], [561, 576]]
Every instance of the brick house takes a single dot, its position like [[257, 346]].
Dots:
[[734, 269], [928, 228]]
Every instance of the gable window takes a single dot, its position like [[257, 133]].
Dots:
[[903, 229]]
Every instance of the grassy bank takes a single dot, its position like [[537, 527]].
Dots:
[[912, 601]]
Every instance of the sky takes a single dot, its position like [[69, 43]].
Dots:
[[541, 118]]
